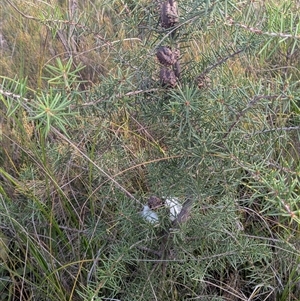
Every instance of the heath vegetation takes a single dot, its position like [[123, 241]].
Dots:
[[106, 103]]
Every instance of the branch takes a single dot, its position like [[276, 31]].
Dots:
[[251, 103], [231, 22]]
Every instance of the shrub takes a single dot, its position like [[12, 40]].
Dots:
[[89, 133]]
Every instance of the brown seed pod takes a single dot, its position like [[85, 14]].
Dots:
[[203, 81], [155, 202], [169, 14], [168, 77], [166, 56], [185, 213], [177, 69]]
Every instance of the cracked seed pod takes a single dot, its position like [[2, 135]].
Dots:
[[184, 214], [155, 202], [172, 204], [168, 77], [166, 56], [169, 14]]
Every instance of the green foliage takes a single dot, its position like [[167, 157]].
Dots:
[[88, 134]]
